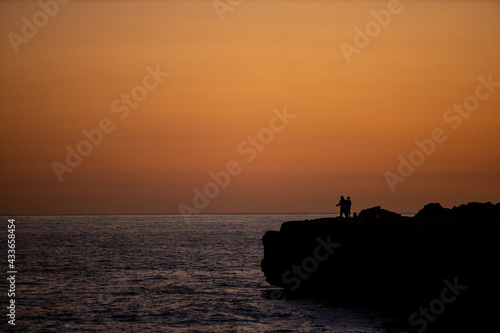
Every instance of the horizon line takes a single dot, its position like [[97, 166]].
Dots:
[[83, 214]]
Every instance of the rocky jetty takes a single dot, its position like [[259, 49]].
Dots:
[[437, 270]]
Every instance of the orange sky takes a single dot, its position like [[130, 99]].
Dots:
[[224, 80]]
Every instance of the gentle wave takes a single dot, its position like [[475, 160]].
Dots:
[[157, 273]]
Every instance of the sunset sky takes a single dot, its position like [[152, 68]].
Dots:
[[229, 74]]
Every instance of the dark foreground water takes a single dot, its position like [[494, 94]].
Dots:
[[157, 273]]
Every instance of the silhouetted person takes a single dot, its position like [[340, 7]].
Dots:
[[343, 206], [348, 207]]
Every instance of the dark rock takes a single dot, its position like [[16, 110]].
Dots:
[[432, 211], [390, 262], [378, 213]]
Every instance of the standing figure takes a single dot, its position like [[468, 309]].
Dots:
[[342, 204], [348, 207]]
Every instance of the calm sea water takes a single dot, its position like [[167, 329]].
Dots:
[[157, 273]]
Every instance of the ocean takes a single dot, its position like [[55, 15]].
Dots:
[[159, 273]]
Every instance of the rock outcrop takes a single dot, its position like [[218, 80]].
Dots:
[[390, 262]]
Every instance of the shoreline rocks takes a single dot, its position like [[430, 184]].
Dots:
[[387, 261]]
